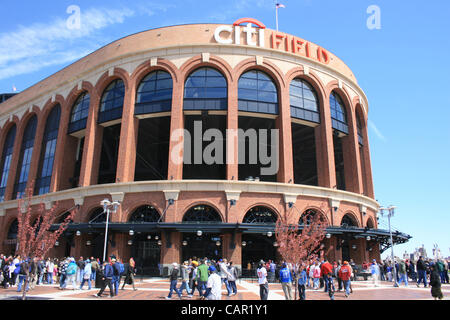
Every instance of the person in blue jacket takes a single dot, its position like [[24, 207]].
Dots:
[[286, 281], [106, 274], [302, 281]]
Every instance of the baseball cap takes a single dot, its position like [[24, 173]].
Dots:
[[212, 268]]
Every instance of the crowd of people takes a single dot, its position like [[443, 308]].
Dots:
[[17, 270], [207, 277]]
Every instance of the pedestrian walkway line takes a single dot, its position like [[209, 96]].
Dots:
[[255, 289]]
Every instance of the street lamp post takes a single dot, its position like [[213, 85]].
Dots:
[[390, 213], [108, 207]]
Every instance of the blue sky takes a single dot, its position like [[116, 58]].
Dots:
[[403, 68]]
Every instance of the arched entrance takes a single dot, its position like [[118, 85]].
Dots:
[[347, 222], [259, 246], [201, 243], [11, 239], [146, 244], [97, 241]]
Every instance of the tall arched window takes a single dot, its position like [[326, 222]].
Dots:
[[98, 215], [6, 160], [338, 114], [111, 105], [48, 151], [80, 113], [304, 102], [205, 89], [145, 214], [26, 151], [260, 214], [202, 213], [257, 93], [154, 93], [359, 129]]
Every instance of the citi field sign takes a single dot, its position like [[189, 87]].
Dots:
[[256, 37]]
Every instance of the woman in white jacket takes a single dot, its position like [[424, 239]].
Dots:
[[87, 275]]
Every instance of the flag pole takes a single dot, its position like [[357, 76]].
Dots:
[[276, 14]]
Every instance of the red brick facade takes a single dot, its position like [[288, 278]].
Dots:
[[356, 201]]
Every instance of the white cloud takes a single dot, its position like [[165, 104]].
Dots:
[[376, 131]]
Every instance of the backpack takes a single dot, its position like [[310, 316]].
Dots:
[[121, 268], [71, 269]]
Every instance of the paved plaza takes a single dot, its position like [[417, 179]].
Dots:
[[158, 288]]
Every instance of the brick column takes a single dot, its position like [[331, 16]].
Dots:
[[64, 155], [232, 133], [92, 144], [283, 123], [126, 161], [175, 170], [324, 148], [172, 254], [366, 163], [352, 164]]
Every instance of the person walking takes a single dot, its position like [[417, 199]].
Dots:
[[185, 270], [345, 273], [193, 277], [130, 273], [262, 281], [173, 281], [23, 274], [202, 277], [63, 269], [421, 272], [87, 275], [326, 270], [224, 274], [316, 275], [301, 282], [33, 273], [375, 272], [106, 275], [232, 279], [286, 281], [435, 283], [94, 267], [71, 274], [213, 285], [115, 280], [402, 273], [336, 274]]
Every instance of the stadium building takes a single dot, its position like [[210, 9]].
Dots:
[[115, 124]]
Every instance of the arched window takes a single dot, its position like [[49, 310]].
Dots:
[[260, 214], [13, 230], [97, 216], [26, 151], [348, 221], [205, 89], [48, 151], [145, 214], [257, 93], [370, 224], [308, 216], [80, 113], [202, 213], [112, 102], [359, 129], [6, 160], [338, 114], [154, 93], [304, 103]]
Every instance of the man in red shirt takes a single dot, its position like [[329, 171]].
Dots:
[[345, 273], [326, 270]]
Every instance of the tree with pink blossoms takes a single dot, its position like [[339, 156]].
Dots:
[[34, 237]]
